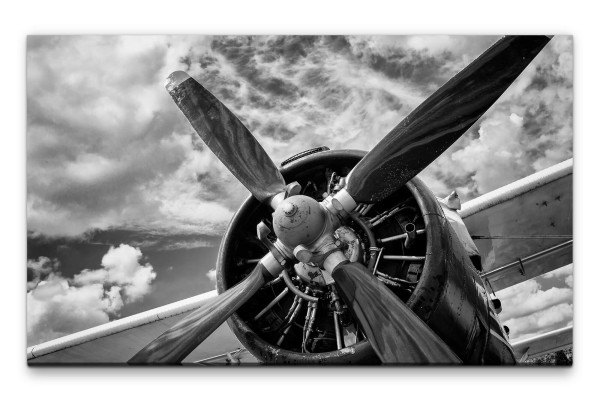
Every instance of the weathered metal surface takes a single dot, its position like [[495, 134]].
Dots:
[[530, 266], [117, 348], [298, 220], [395, 332], [441, 119], [248, 215], [114, 343], [450, 296], [522, 219], [459, 227], [147, 318], [226, 136]]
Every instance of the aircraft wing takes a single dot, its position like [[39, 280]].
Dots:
[[117, 341], [543, 344], [524, 229]]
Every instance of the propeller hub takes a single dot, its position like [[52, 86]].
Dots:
[[298, 220]]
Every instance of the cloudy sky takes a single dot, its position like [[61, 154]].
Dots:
[[126, 207]]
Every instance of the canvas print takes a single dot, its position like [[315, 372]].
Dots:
[[345, 200]]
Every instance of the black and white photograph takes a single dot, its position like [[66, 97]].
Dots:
[[397, 200]]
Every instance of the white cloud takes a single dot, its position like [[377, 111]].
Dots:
[[569, 280], [528, 310], [123, 268], [560, 272], [186, 244], [541, 321], [57, 306], [491, 157], [87, 277], [530, 298], [36, 269], [528, 129], [115, 301], [212, 276], [516, 119]]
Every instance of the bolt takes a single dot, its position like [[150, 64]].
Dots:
[[289, 209]]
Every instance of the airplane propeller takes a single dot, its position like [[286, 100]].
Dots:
[[226, 136], [176, 343], [441, 119], [396, 334]]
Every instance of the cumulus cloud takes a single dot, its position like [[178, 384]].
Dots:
[[542, 321], [212, 276], [57, 305], [569, 281], [565, 273], [55, 308], [38, 268], [528, 309], [528, 297], [123, 268]]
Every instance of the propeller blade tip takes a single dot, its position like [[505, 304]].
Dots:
[[175, 79]]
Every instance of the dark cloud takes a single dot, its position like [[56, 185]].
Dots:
[[412, 66], [38, 269], [337, 43], [241, 53], [291, 48], [108, 148], [150, 240], [277, 130]]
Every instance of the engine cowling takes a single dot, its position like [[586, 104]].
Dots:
[[404, 240]]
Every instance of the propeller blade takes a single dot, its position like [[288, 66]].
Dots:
[[395, 332], [226, 136], [175, 344], [441, 119]]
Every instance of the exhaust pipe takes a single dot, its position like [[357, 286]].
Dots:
[[411, 235]]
